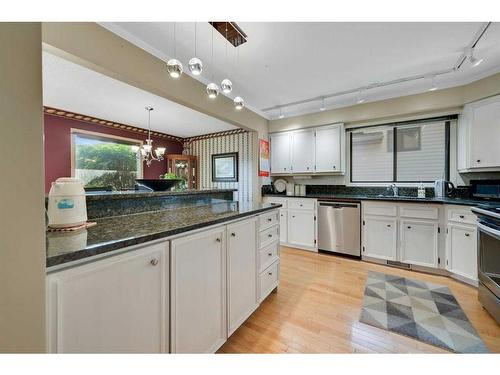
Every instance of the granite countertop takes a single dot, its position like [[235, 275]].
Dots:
[[356, 197], [113, 233], [100, 195]]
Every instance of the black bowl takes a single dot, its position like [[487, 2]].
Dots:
[[158, 184]]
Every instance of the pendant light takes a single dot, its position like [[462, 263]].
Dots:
[[174, 66], [195, 65], [473, 60], [212, 87], [433, 84], [361, 98], [281, 114], [147, 153], [322, 108], [226, 85], [239, 103]]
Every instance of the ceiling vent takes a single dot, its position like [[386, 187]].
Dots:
[[230, 31]]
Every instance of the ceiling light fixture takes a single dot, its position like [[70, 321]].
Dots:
[[212, 87], [473, 60], [433, 84], [174, 66], [147, 153], [226, 84], [195, 65], [361, 98], [239, 103], [322, 108], [281, 114]]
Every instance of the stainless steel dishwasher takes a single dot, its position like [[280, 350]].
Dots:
[[339, 227]]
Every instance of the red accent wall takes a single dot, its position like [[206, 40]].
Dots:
[[57, 144]]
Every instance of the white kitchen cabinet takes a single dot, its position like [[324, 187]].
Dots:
[[328, 149], [114, 305], [198, 292], [478, 135], [242, 271], [280, 150], [419, 242], [303, 151], [461, 251], [301, 229], [380, 237], [283, 225]]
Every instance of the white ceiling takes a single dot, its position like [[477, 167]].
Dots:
[[284, 62], [72, 87]]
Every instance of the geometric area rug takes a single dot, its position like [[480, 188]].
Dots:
[[422, 310]]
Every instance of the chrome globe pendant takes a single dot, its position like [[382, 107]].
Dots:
[[174, 66], [226, 86], [239, 103], [195, 65], [212, 90]]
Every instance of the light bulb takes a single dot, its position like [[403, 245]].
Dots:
[[239, 103], [475, 62], [174, 68], [195, 66], [212, 90], [226, 86]]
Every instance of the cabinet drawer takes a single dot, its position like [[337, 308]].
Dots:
[[268, 255], [461, 215], [419, 211], [268, 220], [380, 209], [302, 204], [268, 280], [269, 235], [276, 200]]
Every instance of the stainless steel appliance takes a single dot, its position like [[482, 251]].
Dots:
[[488, 237], [443, 188], [485, 189], [339, 227]]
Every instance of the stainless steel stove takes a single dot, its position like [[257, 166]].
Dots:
[[488, 225]]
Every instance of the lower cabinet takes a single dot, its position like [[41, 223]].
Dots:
[[419, 242], [114, 305], [198, 292], [300, 232], [283, 226], [461, 252], [241, 269], [380, 237]]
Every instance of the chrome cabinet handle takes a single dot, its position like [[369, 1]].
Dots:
[[153, 261], [233, 234]]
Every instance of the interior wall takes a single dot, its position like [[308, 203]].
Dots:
[[243, 143], [57, 143], [22, 226]]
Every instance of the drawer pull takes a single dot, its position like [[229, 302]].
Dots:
[[300, 205], [270, 219], [388, 225], [270, 254], [467, 234], [270, 235], [153, 261], [270, 273], [233, 234], [478, 161], [461, 216], [218, 239], [408, 227]]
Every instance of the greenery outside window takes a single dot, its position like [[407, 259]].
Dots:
[[104, 161]]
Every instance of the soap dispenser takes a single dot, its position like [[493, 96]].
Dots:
[[421, 190]]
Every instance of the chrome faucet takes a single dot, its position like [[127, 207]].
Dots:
[[394, 189]]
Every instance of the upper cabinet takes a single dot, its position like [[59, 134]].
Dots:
[[478, 135], [308, 151]]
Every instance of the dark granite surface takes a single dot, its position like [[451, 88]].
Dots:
[[107, 195], [362, 197], [113, 233]]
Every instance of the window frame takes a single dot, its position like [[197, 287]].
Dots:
[[74, 132], [394, 125]]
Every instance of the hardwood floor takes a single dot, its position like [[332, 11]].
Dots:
[[317, 307]]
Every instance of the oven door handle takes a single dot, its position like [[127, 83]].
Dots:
[[489, 230]]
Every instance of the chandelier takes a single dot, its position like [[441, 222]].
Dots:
[[147, 153]]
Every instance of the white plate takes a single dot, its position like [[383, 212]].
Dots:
[[280, 185]]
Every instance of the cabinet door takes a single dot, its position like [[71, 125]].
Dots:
[[485, 133], [419, 242], [242, 272], [461, 254], [283, 226], [198, 292], [301, 229], [303, 151], [280, 153], [380, 237], [114, 305], [328, 149]]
